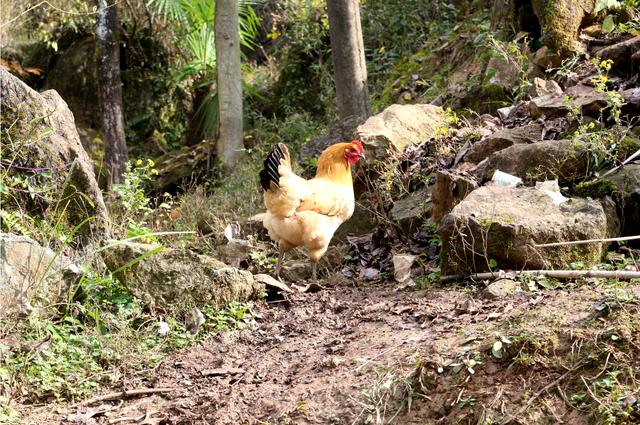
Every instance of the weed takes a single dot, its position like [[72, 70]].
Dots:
[[236, 315], [389, 393], [615, 101], [133, 205], [515, 55]]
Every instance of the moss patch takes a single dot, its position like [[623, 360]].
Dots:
[[561, 20]]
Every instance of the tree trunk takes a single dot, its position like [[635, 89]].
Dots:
[[229, 143], [349, 66], [115, 145]]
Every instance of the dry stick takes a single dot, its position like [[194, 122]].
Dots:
[[556, 274], [619, 166], [586, 241], [538, 394], [123, 394]]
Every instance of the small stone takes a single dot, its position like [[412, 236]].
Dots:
[[501, 288], [402, 267], [542, 87]]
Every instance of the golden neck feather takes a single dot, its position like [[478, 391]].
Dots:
[[333, 165]]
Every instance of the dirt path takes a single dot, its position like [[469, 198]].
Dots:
[[348, 355]]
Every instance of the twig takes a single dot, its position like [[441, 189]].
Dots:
[[586, 241], [123, 394], [620, 166], [556, 274], [539, 393], [606, 364]]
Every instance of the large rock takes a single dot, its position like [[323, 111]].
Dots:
[[623, 186], [31, 276], [584, 98], [178, 279], [501, 73], [503, 224], [621, 53], [40, 134], [560, 21], [502, 139], [397, 127], [552, 105], [564, 160]]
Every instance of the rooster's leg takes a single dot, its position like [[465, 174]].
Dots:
[[314, 266], [279, 263]]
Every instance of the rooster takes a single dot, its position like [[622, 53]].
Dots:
[[308, 212]]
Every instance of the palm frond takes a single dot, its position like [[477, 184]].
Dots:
[[207, 114], [248, 23], [169, 9], [202, 45], [200, 12]]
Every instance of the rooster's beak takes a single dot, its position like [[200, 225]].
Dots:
[[361, 155]]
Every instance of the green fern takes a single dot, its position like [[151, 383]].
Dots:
[[12, 222]]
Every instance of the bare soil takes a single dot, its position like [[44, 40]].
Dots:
[[372, 354]]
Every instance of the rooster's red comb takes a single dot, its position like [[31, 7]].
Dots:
[[358, 143]]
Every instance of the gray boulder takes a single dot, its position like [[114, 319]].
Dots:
[[40, 134], [564, 160], [397, 127], [178, 279], [503, 139], [32, 276], [502, 225]]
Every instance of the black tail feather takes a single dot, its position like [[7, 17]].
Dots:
[[269, 173]]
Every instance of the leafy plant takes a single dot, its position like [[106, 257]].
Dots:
[[515, 55], [615, 101], [132, 204]]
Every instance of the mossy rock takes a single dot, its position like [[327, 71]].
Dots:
[[504, 225], [624, 187], [175, 280], [628, 146], [561, 20], [42, 146]]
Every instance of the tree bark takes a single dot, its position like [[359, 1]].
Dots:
[[229, 145], [115, 145], [349, 66]]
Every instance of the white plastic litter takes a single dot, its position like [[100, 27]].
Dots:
[[503, 179], [551, 188]]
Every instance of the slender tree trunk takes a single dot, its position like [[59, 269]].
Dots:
[[229, 143], [115, 145], [347, 51]]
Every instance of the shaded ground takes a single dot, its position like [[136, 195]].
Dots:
[[361, 355]]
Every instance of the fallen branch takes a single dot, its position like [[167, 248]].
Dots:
[[555, 274], [123, 394], [586, 241]]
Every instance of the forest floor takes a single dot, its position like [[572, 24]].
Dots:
[[375, 354]]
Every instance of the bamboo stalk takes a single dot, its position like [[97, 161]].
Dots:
[[586, 241], [555, 274]]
